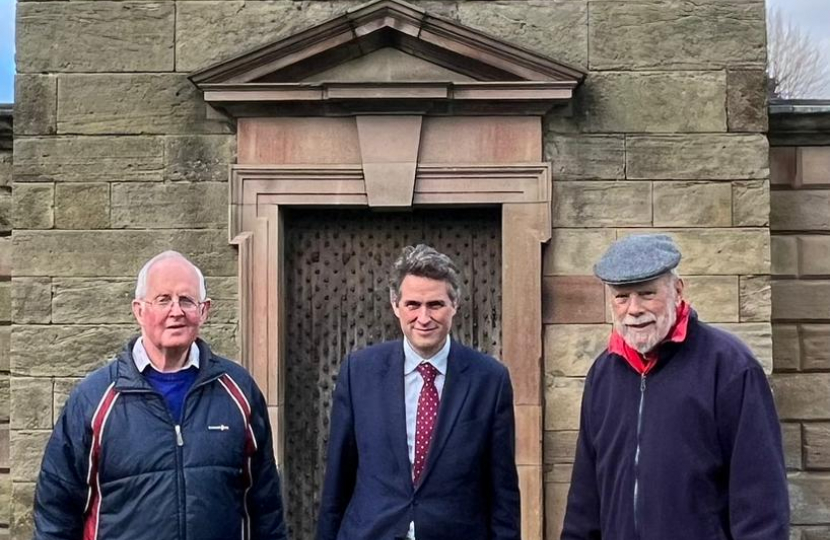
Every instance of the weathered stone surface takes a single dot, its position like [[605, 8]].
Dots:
[[810, 533], [615, 102], [5, 344], [23, 494], [133, 104], [4, 447], [63, 387], [815, 346], [750, 204], [65, 351], [791, 434], [817, 445], [56, 253], [784, 255], [5, 399], [82, 206], [224, 295], [556, 499], [678, 35], [5, 495], [5, 168], [782, 165], [798, 299], [786, 349], [31, 300], [570, 349], [5, 302], [586, 157], [715, 298], [757, 336], [573, 299], [814, 251], [31, 403], [813, 166], [92, 301], [36, 104], [574, 251], [26, 453], [810, 498], [5, 210], [802, 396], [563, 398], [719, 251], [148, 206], [556, 29], [89, 159], [199, 158], [5, 256], [746, 99], [697, 157], [560, 446], [95, 36], [208, 32], [33, 206], [223, 339], [801, 210], [692, 204], [601, 204], [756, 299]]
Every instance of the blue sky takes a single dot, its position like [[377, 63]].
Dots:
[[6, 51]]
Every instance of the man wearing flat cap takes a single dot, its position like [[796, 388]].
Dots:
[[679, 438]]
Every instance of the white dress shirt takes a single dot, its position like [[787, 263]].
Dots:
[[412, 384], [142, 360]]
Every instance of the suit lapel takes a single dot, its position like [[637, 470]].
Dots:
[[453, 396], [392, 385]]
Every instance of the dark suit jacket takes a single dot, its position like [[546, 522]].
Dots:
[[469, 488]]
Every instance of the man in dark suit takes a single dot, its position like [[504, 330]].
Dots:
[[422, 431]]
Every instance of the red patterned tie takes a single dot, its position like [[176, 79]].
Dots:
[[425, 422]]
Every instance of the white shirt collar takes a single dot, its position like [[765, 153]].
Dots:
[[412, 359], [142, 360]]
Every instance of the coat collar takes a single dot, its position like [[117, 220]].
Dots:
[[129, 378]]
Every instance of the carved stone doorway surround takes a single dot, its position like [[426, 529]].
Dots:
[[390, 107]]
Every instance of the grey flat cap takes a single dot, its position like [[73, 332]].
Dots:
[[637, 258]]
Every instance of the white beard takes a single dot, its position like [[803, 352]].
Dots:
[[646, 339]]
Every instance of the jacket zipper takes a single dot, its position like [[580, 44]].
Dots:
[[637, 456]]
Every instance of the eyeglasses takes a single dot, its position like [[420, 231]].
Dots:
[[165, 303]]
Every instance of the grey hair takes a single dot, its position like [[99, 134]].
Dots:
[[424, 261], [141, 282]]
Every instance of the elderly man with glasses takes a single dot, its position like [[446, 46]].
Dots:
[[168, 441]]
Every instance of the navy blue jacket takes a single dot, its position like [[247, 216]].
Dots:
[[118, 467], [710, 464], [469, 488]]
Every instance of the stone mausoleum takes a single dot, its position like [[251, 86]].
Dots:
[[291, 148]]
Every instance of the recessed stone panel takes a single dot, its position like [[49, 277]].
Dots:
[[801, 210]]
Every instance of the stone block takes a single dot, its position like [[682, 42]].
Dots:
[[224, 295], [653, 102], [5, 302], [756, 336], [801, 210], [89, 159], [784, 255], [92, 301], [574, 251], [65, 351], [802, 396], [746, 98], [799, 299], [601, 204], [5, 168], [23, 496], [5, 459], [209, 32], [95, 36], [5, 344], [556, 500], [26, 453], [718, 251], [782, 165], [199, 158], [63, 387], [5, 494], [150, 206], [814, 255], [573, 299], [5, 210], [563, 398], [715, 298], [756, 299], [786, 349], [697, 157], [813, 166], [223, 339], [750, 203], [791, 434], [36, 103], [31, 300], [570, 349], [133, 104], [56, 253], [5, 256], [810, 498], [586, 157], [817, 445], [815, 346], [82, 206], [34, 206], [5, 400], [31, 403], [556, 29], [676, 35], [810, 533], [560, 446], [692, 204]]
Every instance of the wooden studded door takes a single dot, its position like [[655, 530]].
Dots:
[[337, 300]]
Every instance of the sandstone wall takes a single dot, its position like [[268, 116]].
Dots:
[[5, 311]]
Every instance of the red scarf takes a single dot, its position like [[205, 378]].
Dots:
[[642, 364]]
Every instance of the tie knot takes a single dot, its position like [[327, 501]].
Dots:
[[428, 372]]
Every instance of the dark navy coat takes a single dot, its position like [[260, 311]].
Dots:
[[469, 488], [710, 464], [118, 467]]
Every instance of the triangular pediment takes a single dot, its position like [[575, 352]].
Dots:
[[388, 65]]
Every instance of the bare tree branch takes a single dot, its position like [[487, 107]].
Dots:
[[796, 67]]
